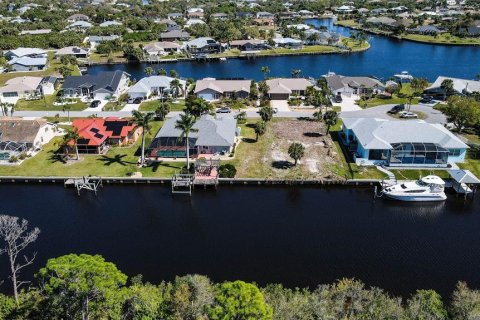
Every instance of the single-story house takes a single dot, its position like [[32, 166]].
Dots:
[[20, 88], [196, 15], [288, 42], [20, 135], [428, 30], [353, 85], [460, 87], [284, 88], [316, 37], [94, 41], [306, 14], [265, 15], [219, 16], [382, 21], [77, 17], [110, 23], [75, 51], [345, 9], [102, 86], [175, 35], [157, 49], [212, 89], [96, 134], [249, 45], [203, 45], [171, 25], [154, 85], [412, 143], [192, 22], [79, 25], [25, 52], [27, 64], [35, 32], [175, 15], [212, 136]]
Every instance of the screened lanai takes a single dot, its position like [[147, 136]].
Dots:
[[418, 153], [171, 147], [11, 148]]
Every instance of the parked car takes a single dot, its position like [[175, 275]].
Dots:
[[275, 110], [426, 99], [337, 98], [224, 110], [137, 100], [408, 115], [95, 103], [396, 109]]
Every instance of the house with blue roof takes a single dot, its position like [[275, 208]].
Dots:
[[102, 86]]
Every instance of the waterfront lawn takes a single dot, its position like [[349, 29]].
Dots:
[[415, 174], [472, 161], [46, 104], [153, 104], [118, 162], [114, 57], [444, 38], [401, 97], [348, 23]]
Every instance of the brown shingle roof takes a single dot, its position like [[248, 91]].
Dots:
[[20, 130]]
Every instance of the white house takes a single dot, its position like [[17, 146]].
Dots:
[[94, 41], [25, 52], [155, 85], [348, 86], [212, 89], [157, 49]]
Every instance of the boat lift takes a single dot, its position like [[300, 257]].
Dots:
[[87, 183], [464, 182]]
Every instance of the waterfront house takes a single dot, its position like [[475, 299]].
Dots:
[[412, 143], [212, 89], [157, 49], [306, 14], [249, 45], [96, 134], [25, 52], [426, 30], [460, 87], [348, 86], [21, 135], [203, 45], [288, 43], [175, 35], [75, 51], [94, 41], [155, 85], [316, 37], [102, 86], [285, 88], [212, 136]]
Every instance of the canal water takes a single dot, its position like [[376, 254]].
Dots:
[[298, 236], [385, 58]]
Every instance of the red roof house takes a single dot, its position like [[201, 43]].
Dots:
[[98, 133]]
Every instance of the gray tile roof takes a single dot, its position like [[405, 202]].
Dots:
[[336, 82], [211, 132], [373, 133], [145, 84], [459, 85], [108, 80]]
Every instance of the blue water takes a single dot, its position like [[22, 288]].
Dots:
[[385, 58]]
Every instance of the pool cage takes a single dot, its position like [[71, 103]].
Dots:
[[11, 148], [171, 147], [418, 153]]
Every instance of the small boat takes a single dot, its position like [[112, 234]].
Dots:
[[429, 188], [223, 59], [403, 76]]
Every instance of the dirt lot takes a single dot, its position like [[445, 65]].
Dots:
[[269, 157]]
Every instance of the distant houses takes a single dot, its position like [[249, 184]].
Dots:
[[460, 87], [212, 136], [158, 49], [97, 134], [175, 35], [203, 45], [74, 51], [155, 85], [212, 89], [25, 52], [102, 86], [94, 41], [413, 143]]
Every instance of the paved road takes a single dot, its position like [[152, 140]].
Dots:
[[433, 116]]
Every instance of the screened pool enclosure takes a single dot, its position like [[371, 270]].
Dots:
[[417, 153]]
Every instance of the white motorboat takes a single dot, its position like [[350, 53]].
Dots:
[[429, 188], [403, 76]]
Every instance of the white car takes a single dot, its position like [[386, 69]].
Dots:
[[408, 115]]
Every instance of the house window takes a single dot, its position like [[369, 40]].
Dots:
[[454, 152]]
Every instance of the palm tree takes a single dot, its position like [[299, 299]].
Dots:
[[162, 110], [148, 71], [260, 128], [330, 118], [142, 120], [161, 72], [266, 113], [296, 151], [71, 136], [185, 124], [418, 85], [313, 38], [176, 87], [173, 73], [66, 108], [4, 106], [296, 73], [447, 86], [265, 70]]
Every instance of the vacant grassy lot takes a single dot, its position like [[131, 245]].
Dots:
[[401, 97], [153, 104], [118, 162], [47, 104]]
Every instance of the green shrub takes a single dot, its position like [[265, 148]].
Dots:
[[227, 171]]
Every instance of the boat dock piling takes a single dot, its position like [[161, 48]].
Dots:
[[87, 183]]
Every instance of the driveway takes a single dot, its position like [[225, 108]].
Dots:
[[433, 116], [281, 105], [129, 107], [348, 104]]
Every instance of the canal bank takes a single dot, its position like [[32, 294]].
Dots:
[[296, 236]]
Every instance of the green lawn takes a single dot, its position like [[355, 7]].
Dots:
[[47, 104], [415, 174], [400, 98], [118, 162], [348, 23], [153, 104], [445, 38]]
